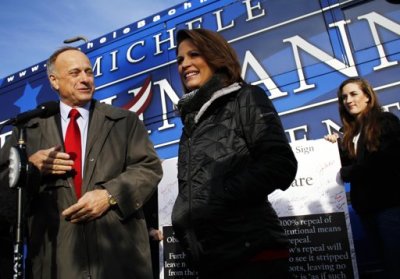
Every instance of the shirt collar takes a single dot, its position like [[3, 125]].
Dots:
[[65, 109]]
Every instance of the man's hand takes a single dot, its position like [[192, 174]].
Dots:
[[90, 206], [156, 234], [51, 161]]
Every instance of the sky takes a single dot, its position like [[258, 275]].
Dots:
[[30, 30]]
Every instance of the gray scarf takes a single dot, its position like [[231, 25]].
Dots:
[[194, 104]]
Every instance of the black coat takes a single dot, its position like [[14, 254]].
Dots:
[[233, 156], [375, 176]]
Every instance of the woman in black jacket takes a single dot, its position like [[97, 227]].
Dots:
[[233, 153], [370, 151]]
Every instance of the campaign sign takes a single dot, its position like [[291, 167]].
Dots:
[[297, 51]]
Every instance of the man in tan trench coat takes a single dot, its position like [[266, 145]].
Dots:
[[102, 233]]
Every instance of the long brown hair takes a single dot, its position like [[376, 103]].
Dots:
[[366, 122], [216, 51]]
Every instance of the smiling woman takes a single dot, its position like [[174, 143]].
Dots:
[[354, 99], [370, 146], [192, 67], [231, 145]]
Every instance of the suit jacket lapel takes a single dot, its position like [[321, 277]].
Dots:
[[99, 129], [51, 131], [52, 136]]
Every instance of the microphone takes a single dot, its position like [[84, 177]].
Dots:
[[44, 110]]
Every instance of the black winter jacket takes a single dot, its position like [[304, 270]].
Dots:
[[375, 176], [232, 155]]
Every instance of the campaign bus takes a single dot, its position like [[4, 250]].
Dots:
[[298, 51]]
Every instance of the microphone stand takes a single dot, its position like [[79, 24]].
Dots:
[[18, 176], [18, 252]]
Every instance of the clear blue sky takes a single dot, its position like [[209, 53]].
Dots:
[[30, 30]]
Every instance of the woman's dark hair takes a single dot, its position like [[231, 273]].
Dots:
[[218, 53], [367, 119]]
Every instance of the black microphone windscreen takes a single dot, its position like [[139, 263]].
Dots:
[[49, 108]]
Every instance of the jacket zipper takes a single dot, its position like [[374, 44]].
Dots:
[[189, 182], [191, 234]]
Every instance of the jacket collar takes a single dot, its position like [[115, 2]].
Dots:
[[194, 104], [217, 94]]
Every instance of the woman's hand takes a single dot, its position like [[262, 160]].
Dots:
[[332, 138]]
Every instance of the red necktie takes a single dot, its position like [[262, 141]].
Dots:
[[73, 148]]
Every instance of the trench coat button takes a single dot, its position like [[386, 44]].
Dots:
[[247, 244], [138, 204]]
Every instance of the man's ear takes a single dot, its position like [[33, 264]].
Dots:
[[53, 82]]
